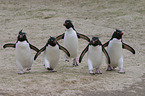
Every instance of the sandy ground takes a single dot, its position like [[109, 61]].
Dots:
[[43, 18]]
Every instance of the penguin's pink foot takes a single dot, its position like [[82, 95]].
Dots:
[[66, 59], [29, 68], [121, 71], [92, 73], [75, 63], [109, 68], [27, 71], [21, 72], [54, 70], [98, 71], [115, 69]]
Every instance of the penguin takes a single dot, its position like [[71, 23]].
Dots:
[[51, 54], [94, 57], [114, 49], [70, 37], [24, 57]]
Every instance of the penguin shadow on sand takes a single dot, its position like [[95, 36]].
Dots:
[[70, 41], [51, 54], [24, 57], [95, 55], [114, 49]]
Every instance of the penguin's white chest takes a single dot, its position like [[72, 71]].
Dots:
[[114, 50], [71, 42], [23, 54], [52, 54], [95, 55]]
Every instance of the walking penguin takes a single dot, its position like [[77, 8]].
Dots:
[[70, 37], [24, 57], [95, 51], [51, 54], [114, 49]]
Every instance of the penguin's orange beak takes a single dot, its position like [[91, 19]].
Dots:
[[64, 24], [122, 33], [93, 42]]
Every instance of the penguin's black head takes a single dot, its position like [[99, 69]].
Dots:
[[68, 24], [22, 36], [117, 34], [95, 41], [52, 41]]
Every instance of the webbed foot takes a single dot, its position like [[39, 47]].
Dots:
[[98, 71], [21, 72], [109, 68], [75, 63], [66, 59], [121, 71], [92, 73]]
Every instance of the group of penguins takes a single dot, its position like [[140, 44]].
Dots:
[[95, 49]]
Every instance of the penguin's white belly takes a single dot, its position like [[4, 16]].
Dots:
[[52, 55], [71, 44], [95, 55], [114, 50], [23, 54]]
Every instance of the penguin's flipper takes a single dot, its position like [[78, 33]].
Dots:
[[106, 44], [64, 50], [34, 48], [60, 37], [10, 45], [83, 53], [83, 37], [39, 52], [125, 46], [106, 54]]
